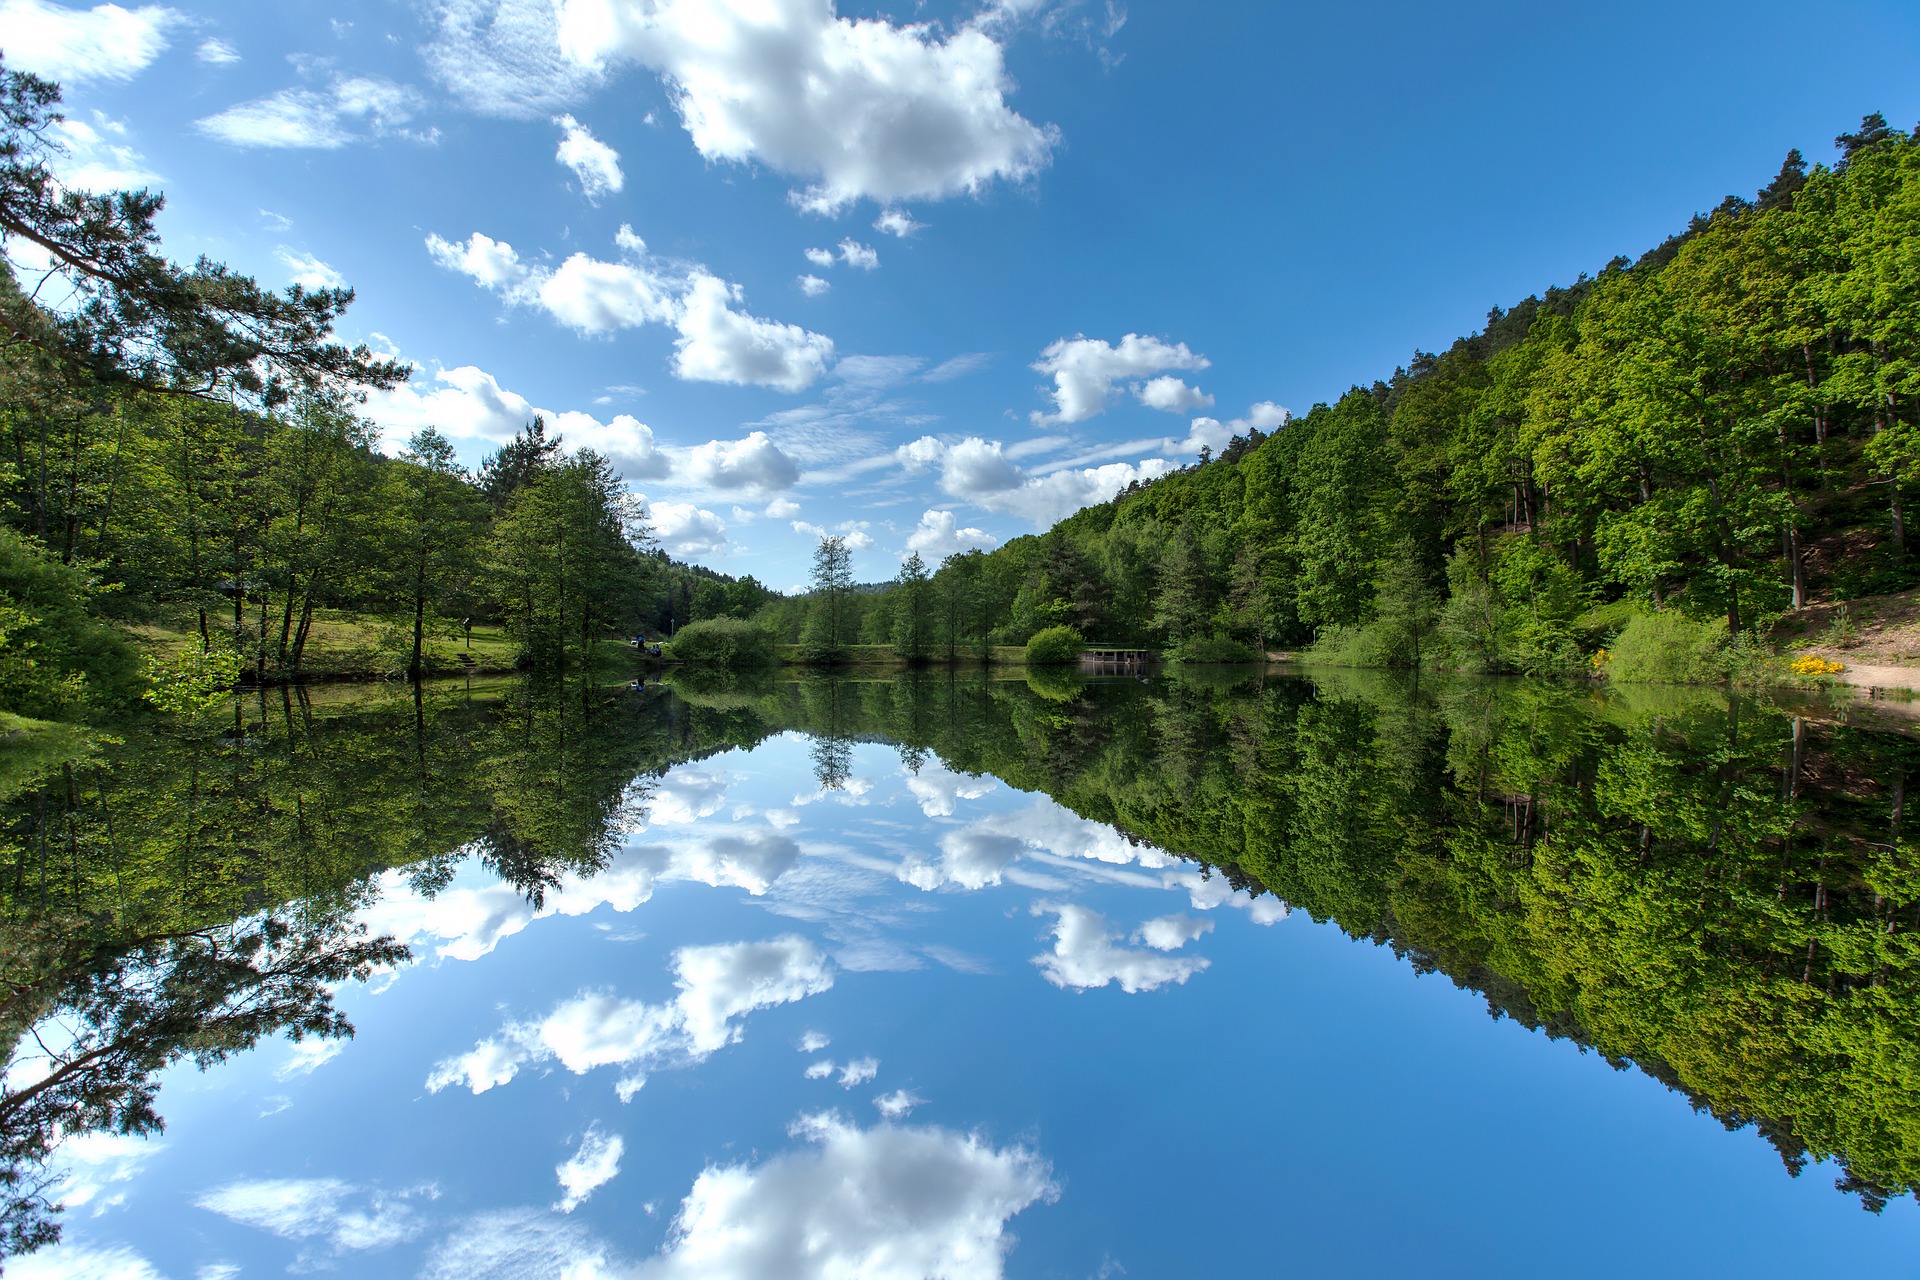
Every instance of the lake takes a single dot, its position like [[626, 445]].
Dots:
[[1230, 974]]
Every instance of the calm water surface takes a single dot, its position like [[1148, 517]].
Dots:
[[1239, 976]]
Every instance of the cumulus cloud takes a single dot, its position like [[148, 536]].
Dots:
[[503, 58], [594, 163], [863, 108], [717, 985], [858, 1072], [896, 1105], [308, 271], [1211, 433], [812, 286], [465, 922], [819, 257], [716, 342], [352, 108], [895, 221], [755, 464], [216, 52], [1170, 933], [971, 859], [324, 1210], [813, 1041], [106, 42], [588, 1169], [855, 254], [939, 535], [981, 472], [1084, 370], [783, 509], [938, 789], [1087, 953], [98, 156], [891, 1203], [1170, 395], [686, 530], [468, 403]]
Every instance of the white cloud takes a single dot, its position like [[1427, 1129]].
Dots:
[[503, 58], [979, 471], [858, 1072], [812, 286], [308, 271], [821, 1070], [1211, 433], [957, 366], [469, 403], [1170, 395], [322, 1209], [814, 1041], [90, 1163], [593, 162], [971, 859], [1170, 933], [939, 535], [1087, 954], [106, 42], [1084, 370], [716, 984], [720, 344], [896, 1105], [82, 1262], [716, 343], [895, 221], [939, 789], [855, 254], [819, 257], [304, 1057], [864, 108], [98, 157], [886, 1203], [754, 463], [351, 109], [783, 509], [216, 52], [686, 530], [588, 1169]]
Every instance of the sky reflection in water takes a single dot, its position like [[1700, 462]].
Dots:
[[920, 1023]]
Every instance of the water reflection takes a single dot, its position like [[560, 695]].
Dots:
[[1719, 892]]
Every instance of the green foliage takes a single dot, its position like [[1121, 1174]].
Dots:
[[1667, 647], [1056, 646], [1214, 649], [57, 659], [726, 643], [192, 681]]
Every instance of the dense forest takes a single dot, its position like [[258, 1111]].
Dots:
[[183, 472], [1673, 453]]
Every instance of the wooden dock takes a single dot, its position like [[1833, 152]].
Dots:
[[1110, 659]]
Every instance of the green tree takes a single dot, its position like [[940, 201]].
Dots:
[[914, 611]]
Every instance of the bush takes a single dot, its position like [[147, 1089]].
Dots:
[[1055, 647], [1347, 647], [56, 659], [725, 642], [1668, 647], [1214, 649]]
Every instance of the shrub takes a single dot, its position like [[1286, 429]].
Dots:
[[1337, 646], [1055, 647], [1668, 647], [1214, 649], [725, 642], [56, 659]]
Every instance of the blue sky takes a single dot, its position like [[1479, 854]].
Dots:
[[924, 1024], [933, 275]]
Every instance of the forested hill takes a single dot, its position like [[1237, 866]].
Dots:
[[1706, 438]]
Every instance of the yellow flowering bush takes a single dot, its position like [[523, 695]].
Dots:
[[1812, 664]]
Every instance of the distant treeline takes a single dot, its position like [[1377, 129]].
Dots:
[[1710, 436], [180, 451]]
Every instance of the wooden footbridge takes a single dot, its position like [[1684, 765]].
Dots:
[[1107, 659]]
